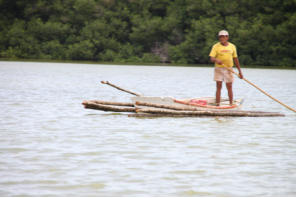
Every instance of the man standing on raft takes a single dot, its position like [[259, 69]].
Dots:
[[223, 54]]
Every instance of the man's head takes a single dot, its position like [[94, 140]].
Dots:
[[223, 36]]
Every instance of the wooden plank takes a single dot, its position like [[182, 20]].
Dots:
[[155, 115], [209, 113], [92, 105], [191, 108], [129, 104]]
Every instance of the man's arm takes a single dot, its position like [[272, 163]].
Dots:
[[215, 60], [236, 62]]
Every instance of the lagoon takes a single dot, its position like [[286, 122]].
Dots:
[[52, 146]]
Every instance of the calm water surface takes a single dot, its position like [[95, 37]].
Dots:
[[52, 146]]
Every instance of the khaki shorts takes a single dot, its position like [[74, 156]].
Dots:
[[222, 74]]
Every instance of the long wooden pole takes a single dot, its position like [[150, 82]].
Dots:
[[119, 88], [262, 90]]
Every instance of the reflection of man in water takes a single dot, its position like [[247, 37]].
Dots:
[[223, 54]]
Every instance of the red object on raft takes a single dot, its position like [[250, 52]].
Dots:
[[203, 103], [198, 102]]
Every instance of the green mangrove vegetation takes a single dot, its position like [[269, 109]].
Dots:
[[147, 31]]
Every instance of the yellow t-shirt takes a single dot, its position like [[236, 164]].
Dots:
[[224, 53]]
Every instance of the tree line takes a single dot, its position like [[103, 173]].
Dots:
[[148, 31]]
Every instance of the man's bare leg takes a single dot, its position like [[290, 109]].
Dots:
[[218, 92], [230, 93]]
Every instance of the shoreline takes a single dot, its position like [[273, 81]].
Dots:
[[138, 64]]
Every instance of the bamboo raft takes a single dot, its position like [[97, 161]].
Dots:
[[142, 106]]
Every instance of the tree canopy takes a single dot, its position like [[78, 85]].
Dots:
[[173, 31]]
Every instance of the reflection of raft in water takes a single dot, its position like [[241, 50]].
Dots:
[[149, 106]]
